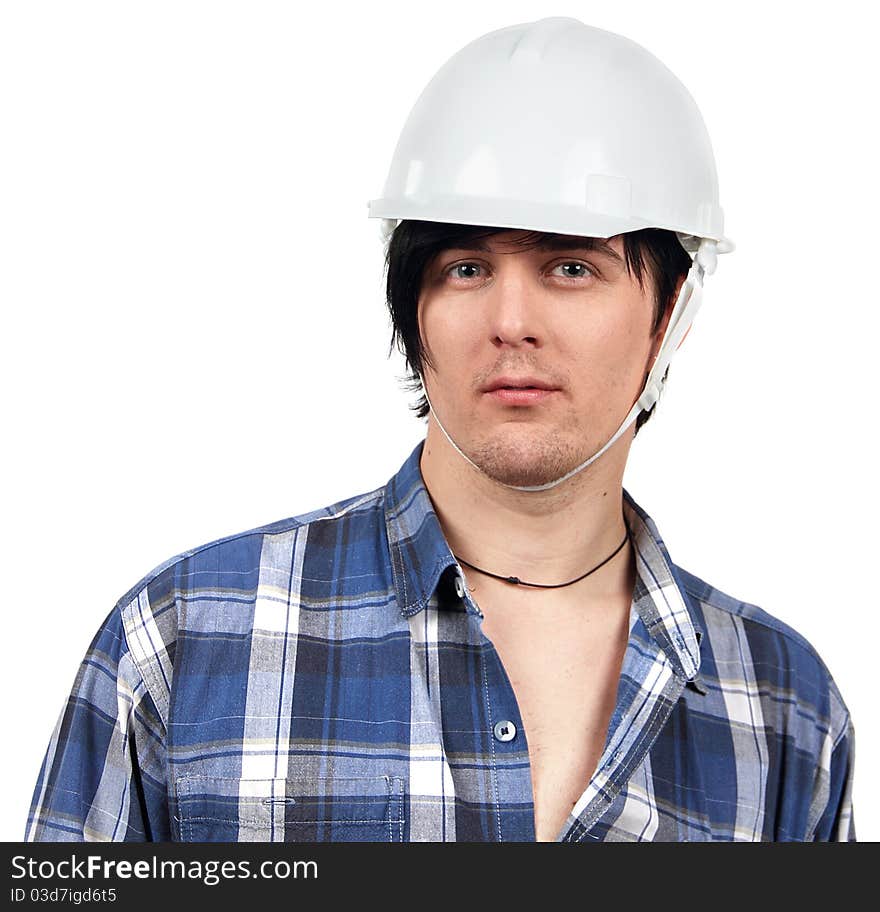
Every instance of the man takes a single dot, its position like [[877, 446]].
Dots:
[[496, 644]]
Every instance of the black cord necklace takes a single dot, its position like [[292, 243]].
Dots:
[[518, 582]]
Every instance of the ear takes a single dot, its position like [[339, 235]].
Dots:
[[681, 282], [677, 347], [661, 329]]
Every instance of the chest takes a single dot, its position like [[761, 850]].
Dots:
[[564, 677], [316, 722]]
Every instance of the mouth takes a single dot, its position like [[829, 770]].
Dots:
[[520, 395]]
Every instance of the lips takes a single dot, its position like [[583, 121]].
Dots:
[[518, 395], [520, 383]]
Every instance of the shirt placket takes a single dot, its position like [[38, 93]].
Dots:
[[510, 793]]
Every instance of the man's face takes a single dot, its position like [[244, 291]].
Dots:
[[573, 318]]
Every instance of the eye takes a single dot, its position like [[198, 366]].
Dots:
[[587, 270], [453, 270], [469, 270]]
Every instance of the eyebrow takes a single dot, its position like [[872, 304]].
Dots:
[[594, 245]]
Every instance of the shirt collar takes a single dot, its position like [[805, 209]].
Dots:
[[419, 551], [421, 557], [660, 599]]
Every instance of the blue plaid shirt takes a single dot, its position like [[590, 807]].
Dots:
[[319, 678]]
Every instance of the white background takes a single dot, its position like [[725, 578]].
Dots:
[[195, 338]]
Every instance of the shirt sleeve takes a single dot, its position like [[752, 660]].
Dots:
[[836, 822], [103, 776]]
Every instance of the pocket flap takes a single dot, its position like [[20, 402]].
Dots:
[[307, 808]]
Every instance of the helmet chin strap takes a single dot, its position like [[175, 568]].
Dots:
[[686, 306]]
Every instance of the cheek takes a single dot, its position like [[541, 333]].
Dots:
[[453, 341], [609, 354]]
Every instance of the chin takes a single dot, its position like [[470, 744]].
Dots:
[[526, 462]]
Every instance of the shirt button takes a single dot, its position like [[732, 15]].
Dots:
[[459, 587], [505, 730]]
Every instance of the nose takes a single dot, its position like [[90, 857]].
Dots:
[[514, 312]]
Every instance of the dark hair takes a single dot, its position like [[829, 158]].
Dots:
[[414, 244]]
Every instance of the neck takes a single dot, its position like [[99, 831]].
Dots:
[[549, 537]]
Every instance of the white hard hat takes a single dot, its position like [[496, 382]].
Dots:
[[561, 127]]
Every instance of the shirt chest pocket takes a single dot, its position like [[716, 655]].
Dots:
[[306, 809]]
